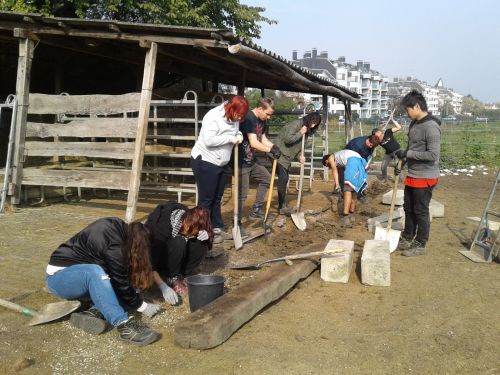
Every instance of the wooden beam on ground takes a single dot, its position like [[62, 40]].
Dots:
[[26, 49], [213, 324], [142, 128]]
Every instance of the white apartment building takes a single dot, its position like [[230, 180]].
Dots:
[[447, 95], [359, 78], [401, 86]]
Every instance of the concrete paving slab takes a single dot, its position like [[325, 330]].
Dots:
[[376, 263], [386, 198], [338, 268]]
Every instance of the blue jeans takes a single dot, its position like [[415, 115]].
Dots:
[[84, 280]]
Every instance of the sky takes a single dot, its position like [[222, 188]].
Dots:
[[456, 40]]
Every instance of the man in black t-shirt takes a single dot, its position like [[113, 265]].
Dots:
[[254, 129], [390, 145]]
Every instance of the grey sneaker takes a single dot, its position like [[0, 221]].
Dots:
[[136, 332], [287, 211], [257, 213], [91, 321], [405, 244], [416, 249], [346, 222], [222, 234]]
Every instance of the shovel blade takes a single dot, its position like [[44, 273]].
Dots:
[[299, 220], [238, 243], [54, 311], [390, 235]]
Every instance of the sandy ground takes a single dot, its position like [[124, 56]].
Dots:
[[440, 315]]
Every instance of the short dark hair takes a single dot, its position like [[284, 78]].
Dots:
[[375, 130], [412, 98], [313, 117], [325, 158]]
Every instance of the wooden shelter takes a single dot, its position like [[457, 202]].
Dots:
[[115, 127]]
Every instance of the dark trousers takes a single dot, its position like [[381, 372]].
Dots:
[[175, 256], [282, 184], [210, 181], [417, 220]]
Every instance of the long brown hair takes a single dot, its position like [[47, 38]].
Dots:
[[197, 219], [138, 250]]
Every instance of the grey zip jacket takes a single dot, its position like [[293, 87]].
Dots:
[[424, 143]]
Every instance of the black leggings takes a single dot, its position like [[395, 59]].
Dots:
[[417, 220], [175, 256]]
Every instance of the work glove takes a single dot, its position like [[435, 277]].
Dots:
[[202, 235], [275, 152], [151, 310], [337, 190], [238, 139], [401, 154], [169, 294]]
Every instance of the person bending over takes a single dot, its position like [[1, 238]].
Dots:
[[107, 261], [349, 174], [182, 237], [289, 142]]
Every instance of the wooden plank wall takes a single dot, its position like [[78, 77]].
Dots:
[[87, 135]]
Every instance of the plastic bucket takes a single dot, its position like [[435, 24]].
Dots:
[[203, 289]]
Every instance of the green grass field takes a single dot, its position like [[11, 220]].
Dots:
[[462, 144]]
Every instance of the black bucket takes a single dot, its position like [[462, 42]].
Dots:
[[203, 289]]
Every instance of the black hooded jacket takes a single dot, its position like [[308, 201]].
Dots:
[[103, 243]]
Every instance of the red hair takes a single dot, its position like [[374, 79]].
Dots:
[[236, 108], [195, 220]]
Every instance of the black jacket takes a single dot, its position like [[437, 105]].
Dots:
[[159, 219], [103, 243]]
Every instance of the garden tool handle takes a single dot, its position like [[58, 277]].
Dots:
[[18, 308], [301, 180], [235, 189], [394, 194], [270, 192]]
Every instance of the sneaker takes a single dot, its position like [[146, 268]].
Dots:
[[405, 244], [346, 222], [91, 321], [136, 332], [218, 232], [416, 249], [287, 211], [178, 284], [256, 213]]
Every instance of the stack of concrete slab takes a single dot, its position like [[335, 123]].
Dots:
[[376, 263], [387, 197], [398, 220], [337, 268], [436, 209]]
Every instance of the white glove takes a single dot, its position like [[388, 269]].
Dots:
[[151, 310], [239, 138], [168, 294], [202, 235]]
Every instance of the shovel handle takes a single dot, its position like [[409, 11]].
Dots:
[[314, 253], [270, 192], [235, 189], [394, 194], [18, 308], [301, 180]]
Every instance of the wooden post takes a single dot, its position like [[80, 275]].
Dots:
[[325, 134], [26, 49], [241, 86], [142, 127], [349, 117]]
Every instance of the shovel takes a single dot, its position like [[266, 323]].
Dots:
[[50, 312], [288, 259], [238, 243], [389, 234], [298, 217], [269, 196]]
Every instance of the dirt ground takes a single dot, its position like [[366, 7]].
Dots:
[[439, 316]]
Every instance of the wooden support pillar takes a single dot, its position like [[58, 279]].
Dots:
[[241, 86], [142, 127], [348, 111], [262, 93], [26, 49], [325, 134]]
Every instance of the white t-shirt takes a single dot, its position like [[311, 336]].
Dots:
[[342, 156]]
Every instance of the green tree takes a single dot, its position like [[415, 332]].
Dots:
[[231, 14], [471, 105]]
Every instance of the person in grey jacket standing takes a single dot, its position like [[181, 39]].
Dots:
[[211, 154], [422, 158], [289, 142]]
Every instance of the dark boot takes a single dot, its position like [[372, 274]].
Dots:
[[256, 213], [90, 321], [416, 249], [136, 332]]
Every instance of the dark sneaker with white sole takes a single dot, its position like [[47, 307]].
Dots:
[[416, 249], [405, 244], [91, 321], [136, 332]]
